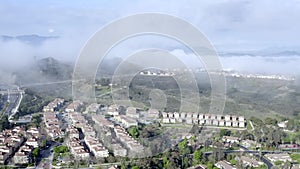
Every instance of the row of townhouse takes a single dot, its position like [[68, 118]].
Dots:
[[105, 126], [77, 119], [127, 140], [284, 157], [102, 121], [113, 110], [133, 112], [54, 105], [10, 141], [96, 147], [126, 121], [224, 165], [90, 139], [92, 108], [74, 106], [204, 119], [52, 125], [250, 162], [77, 149], [23, 156]]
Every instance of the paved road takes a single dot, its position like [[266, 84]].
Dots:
[[262, 158], [13, 100]]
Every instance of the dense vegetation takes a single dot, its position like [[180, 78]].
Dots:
[[32, 103]]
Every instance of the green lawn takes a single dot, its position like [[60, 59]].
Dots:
[[296, 157]]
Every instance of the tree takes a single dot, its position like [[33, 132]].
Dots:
[[225, 132], [183, 147], [197, 157], [35, 153], [185, 163], [4, 123], [270, 121], [134, 132], [61, 149], [135, 167]]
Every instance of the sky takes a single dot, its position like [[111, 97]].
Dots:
[[230, 25]]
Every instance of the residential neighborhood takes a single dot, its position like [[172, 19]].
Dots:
[[75, 132]]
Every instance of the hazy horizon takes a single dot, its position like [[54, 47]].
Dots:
[[247, 34]]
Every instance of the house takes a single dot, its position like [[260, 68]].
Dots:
[[54, 105], [132, 112], [234, 118], [166, 120], [33, 131], [172, 120], [92, 108], [182, 115], [227, 117], [32, 142], [230, 139], [21, 158], [282, 124], [73, 132], [289, 147], [74, 106], [189, 115], [235, 123], [165, 114], [96, 147], [208, 121], [215, 122], [118, 150], [176, 115], [228, 123], [250, 162], [207, 116], [278, 157], [242, 124], [171, 115], [202, 121], [77, 149], [126, 120], [213, 116], [102, 121], [250, 143], [219, 117], [195, 115], [153, 113], [224, 165], [241, 118], [201, 116], [221, 123], [113, 110], [295, 166], [200, 166], [189, 120]]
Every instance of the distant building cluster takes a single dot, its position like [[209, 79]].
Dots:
[[204, 119], [250, 75], [156, 73]]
